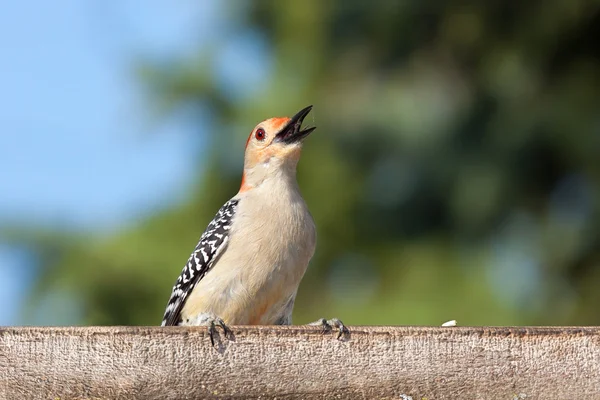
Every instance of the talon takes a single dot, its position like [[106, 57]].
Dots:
[[212, 329], [211, 321], [325, 325], [226, 331], [342, 330], [328, 326], [211, 333]]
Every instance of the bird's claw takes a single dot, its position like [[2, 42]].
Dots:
[[212, 329], [211, 321], [329, 324]]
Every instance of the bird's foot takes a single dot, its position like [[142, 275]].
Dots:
[[212, 322], [212, 329], [330, 324]]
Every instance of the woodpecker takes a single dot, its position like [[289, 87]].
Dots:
[[248, 264]]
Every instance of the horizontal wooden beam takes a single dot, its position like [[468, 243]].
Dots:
[[300, 362]]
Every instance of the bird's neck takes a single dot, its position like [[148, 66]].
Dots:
[[269, 176]]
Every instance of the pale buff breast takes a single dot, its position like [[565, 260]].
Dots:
[[258, 274]]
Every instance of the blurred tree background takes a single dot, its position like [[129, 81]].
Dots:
[[454, 173]]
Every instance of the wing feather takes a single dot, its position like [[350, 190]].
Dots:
[[212, 242]]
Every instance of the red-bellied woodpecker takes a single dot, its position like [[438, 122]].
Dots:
[[249, 262]]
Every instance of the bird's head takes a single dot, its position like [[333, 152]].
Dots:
[[274, 147]]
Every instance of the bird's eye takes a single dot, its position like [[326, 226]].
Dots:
[[260, 134]]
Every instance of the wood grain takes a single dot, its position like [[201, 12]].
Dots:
[[300, 362]]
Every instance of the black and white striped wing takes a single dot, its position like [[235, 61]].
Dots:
[[212, 242]]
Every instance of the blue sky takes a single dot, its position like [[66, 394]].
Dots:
[[77, 145]]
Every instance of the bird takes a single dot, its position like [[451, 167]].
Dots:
[[250, 260]]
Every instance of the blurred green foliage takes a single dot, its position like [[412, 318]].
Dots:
[[454, 174]]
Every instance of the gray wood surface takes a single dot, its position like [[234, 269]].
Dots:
[[300, 362]]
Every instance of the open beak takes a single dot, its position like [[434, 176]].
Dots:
[[292, 132]]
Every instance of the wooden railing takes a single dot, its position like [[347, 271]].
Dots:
[[300, 362]]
